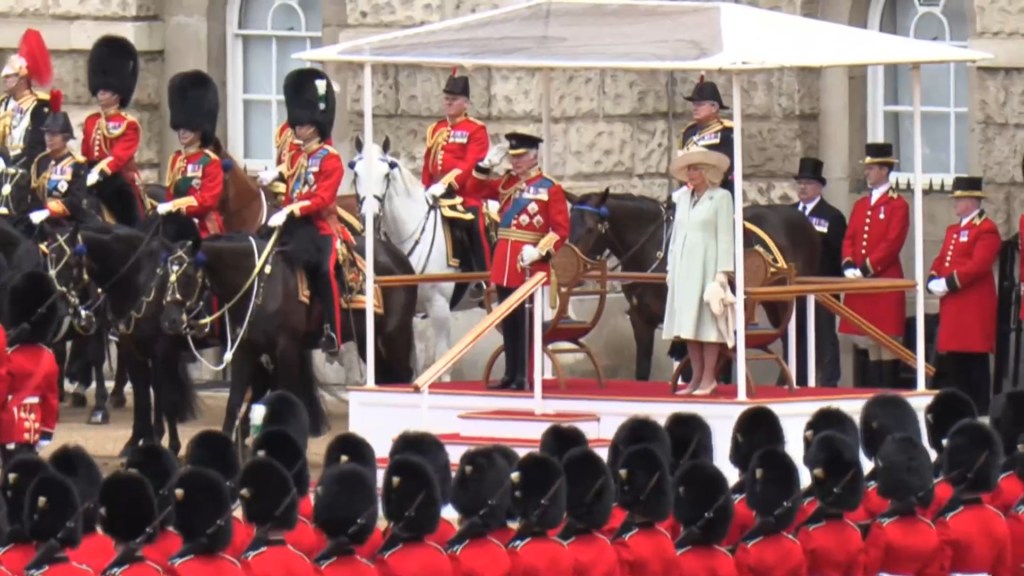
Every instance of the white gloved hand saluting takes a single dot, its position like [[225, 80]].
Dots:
[[164, 208], [267, 176], [92, 179], [528, 255], [38, 216], [277, 220], [494, 156]]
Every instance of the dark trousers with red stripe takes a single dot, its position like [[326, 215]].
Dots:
[[483, 243], [515, 329], [327, 285]]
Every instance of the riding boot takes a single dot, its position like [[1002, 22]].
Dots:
[[891, 377], [860, 368], [873, 375], [477, 254]]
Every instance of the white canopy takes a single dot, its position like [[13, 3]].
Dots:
[[639, 35]]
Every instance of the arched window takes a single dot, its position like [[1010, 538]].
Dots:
[[944, 97], [264, 35]]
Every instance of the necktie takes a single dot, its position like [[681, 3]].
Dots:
[[803, 208]]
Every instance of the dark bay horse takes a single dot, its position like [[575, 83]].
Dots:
[[637, 231]]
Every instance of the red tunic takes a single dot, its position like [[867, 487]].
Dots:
[[705, 561], [540, 556], [306, 509], [1007, 494], [306, 539], [1015, 525], [160, 550], [975, 540], [617, 517], [14, 557], [967, 314], [455, 146], [64, 568], [31, 404], [742, 521], [96, 551], [316, 180], [111, 140], [874, 238], [775, 555], [241, 535], [372, 544], [445, 531], [414, 559], [206, 565], [195, 181], [504, 535], [832, 547], [645, 551], [593, 555], [480, 557], [903, 545], [871, 506], [139, 568], [347, 566], [276, 559], [943, 492], [807, 507], [672, 528]]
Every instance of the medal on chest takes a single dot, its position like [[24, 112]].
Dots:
[[710, 139], [458, 137], [964, 234]]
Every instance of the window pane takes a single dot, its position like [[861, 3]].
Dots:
[[897, 85], [256, 60], [259, 131], [955, 12], [935, 134], [934, 86], [960, 80], [285, 63], [930, 26], [314, 14], [963, 135], [894, 133], [286, 17], [282, 114], [254, 14]]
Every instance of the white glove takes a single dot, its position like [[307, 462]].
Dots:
[[42, 444], [38, 216], [529, 255], [495, 155], [164, 208], [436, 191], [722, 280], [3, 165], [267, 176], [852, 273], [278, 218], [92, 179], [938, 286]]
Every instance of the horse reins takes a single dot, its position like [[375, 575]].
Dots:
[[603, 229]]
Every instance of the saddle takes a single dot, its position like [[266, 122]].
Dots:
[[351, 274]]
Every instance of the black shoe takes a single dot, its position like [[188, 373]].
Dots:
[[477, 291], [329, 343], [503, 384]]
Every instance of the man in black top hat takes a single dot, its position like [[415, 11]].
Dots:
[[58, 175], [708, 130], [831, 226]]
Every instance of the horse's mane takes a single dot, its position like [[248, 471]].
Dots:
[[628, 198], [409, 180]]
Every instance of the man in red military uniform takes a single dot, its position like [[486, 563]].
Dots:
[[312, 192], [195, 177], [481, 496], [878, 226], [58, 176], [23, 111], [270, 504], [128, 513], [690, 436], [589, 498], [111, 136], [645, 492], [281, 446], [52, 518], [431, 450], [538, 497], [351, 448], [412, 505], [216, 451], [346, 512], [1008, 421], [961, 276], [159, 467], [18, 476], [534, 224], [974, 536], [202, 513], [96, 549], [703, 503], [772, 483], [282, 409], [827, 419], [756, 428], [946, 409], [634, 431]]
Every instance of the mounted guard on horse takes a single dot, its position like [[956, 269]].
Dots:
[[22, 110], [59, 175]]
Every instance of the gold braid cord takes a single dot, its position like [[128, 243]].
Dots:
[[772, 252]]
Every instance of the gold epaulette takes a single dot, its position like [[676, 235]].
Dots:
[[211, 154], [45, 96], [34, 171], [430, 132], [725, 123], [331, 149], [475, 121]]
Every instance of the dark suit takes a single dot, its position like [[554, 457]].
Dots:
[[831, 224]]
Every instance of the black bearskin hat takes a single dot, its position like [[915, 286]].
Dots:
[[309, 98], [75, 464], [32, 310], [830, 419], [538, 492], [645, 488], [973, 457], [481, 487], [19, 474], [511, 457], [114, 66], [51, 507], [756, 427], [410, 498], [346, 503], [558, 439], [690, 436], [903, 471], [267, 494], [635, 431], [590, 490], [1008, 419], [214, 450], [202, 510], [836, 472], [127, 506], [432, 451], [703, 504], [280, 445], [194, 104], [284, 410], [159, 466], [772, 482], [349, 447], [883, 415], [947, 408]]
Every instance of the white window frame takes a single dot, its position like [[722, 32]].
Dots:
[[876, 91], [236, 76]]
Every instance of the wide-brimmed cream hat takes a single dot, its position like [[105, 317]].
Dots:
[[697, 155]]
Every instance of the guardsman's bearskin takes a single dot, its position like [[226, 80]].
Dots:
[[127, 507], [349, 447], [973, 456], [114, 66], [836, 472], [280, 445], [481, 490], [75, 464], [883, 415], [284, 410], [1008, 419], [346, 503], [51, 511], [214, 450], [829, 419], [202, 510], [32, 309], [903, 471], [558, 439], [702, 503], [159, 466], [590, 490], [635, 431], [645, 488], [947, 408], [410, 497], [511, 458], [756, 427], [194, 104], [772, 482], [268, 496], [538, 492], [690, 436], [309, 99], [432, 451], [19, 474]]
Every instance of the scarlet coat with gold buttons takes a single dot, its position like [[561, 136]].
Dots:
[[452, 146]]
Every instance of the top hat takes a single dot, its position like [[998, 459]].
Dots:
[[946, 409], [309, 99], [811, 169], [127, 506], [558, 439], [32, 308], [75, 464], [706, 91], [883, 415], [114, 66], [159, 466], [456, 85], [202, 510], [702, 503], [410, 498], [51, 511], [32, 60], [18, 476], [968, 187], [830, 419], [520, 143], [349, 447], [280, 445], [590, 491], [538, 492], [690, 436], [756, 427], [879, 153], [60, 123], [267, 494], [194, 104], [903, 471], [281, 409], [481, 488], [973, 457], [433, 452], [346, 503], [695, 156], [635, 431]]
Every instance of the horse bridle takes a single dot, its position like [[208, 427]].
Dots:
[[84, 319], [7, 182], [177, 264], [603, 213]]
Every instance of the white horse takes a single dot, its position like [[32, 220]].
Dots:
[[409, 219]]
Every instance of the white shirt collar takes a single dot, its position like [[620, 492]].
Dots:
[[877, 193], [808, 206], [964, 221]]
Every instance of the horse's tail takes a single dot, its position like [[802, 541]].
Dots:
[[307, 391], [181, 399]]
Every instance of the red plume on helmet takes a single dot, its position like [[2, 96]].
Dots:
[[56, 99], [37, 57]]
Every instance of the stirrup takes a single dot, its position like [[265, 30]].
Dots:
[[329, 341]]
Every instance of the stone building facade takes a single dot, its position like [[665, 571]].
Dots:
[[609, 128]]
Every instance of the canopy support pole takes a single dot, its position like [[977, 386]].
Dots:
[[741, 283], [369, 210], [915, 75], [545, 133]]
